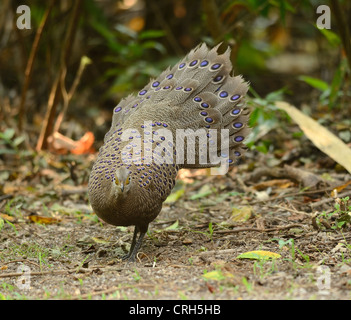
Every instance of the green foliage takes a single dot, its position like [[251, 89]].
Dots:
[[2, 223], [9, 143], [264, 117], [332, 37], [316, 83], [126, 51], [330, 92], [337, 219], [208, 233]]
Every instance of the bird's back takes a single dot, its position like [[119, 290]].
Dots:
[[198, 97]]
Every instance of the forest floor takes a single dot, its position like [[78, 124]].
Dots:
[[52, 245]]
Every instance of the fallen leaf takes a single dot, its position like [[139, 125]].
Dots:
[[7, 217], [262, 195], [204, 191], [210, 288], [43, 220], [280, 183], [84, 144], [99, 240], [61, 144], [174, 226], [241, 214], [217, 275], [322, 138], [174, 196], [335, 191], [259, 255]]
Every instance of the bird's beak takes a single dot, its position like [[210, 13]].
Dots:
[[122, 187]]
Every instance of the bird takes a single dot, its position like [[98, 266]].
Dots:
[[136, 168]]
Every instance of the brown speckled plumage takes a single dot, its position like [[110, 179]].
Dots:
[[128, 184]]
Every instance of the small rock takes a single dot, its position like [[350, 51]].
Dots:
[[187, 241]]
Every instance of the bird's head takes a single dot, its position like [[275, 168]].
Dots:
[[122, 180]]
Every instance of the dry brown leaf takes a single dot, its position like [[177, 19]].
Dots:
[[84, 145], [322, 138], [241, 214], [13, 188], [7, 217], [335, 191], [61, 144], [280, 183], [43, 220]]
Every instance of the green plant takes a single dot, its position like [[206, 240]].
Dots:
[[293, 252], [7, 138], [330, 93], [290, 243], [210, 228], [11, 225], [13, 206], [136, 275], [264, 118], [82, 263], [2, 223], [260, 268], [337, 219], [209, 234], [247, 284]]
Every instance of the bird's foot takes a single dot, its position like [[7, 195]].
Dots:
[[128, 257]]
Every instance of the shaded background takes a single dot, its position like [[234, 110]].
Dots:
[[274, 45]]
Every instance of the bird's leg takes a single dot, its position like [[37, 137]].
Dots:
[[127, 256], [137, 247], [134, 248]]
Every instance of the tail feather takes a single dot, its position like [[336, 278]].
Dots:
[[204, 94]]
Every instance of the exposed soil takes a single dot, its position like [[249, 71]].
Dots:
[[73, 255]]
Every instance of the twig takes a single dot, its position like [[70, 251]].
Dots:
[[324, 201], [110, 290], [6, 196], [39, 273], [29, 67], [307, 192], [23, 260], [307, 179], [226, 251], [343, 237], [295, 225], [55, 94], [67, 96], [80, 190], [289, 209]]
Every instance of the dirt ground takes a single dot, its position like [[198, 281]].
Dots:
[[53, 247]]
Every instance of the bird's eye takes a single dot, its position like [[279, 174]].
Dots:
[[127, 181], [116, 181]]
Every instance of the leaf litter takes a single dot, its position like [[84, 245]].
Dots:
[[194, 249]]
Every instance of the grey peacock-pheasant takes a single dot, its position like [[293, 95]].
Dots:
[[137, 166]]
